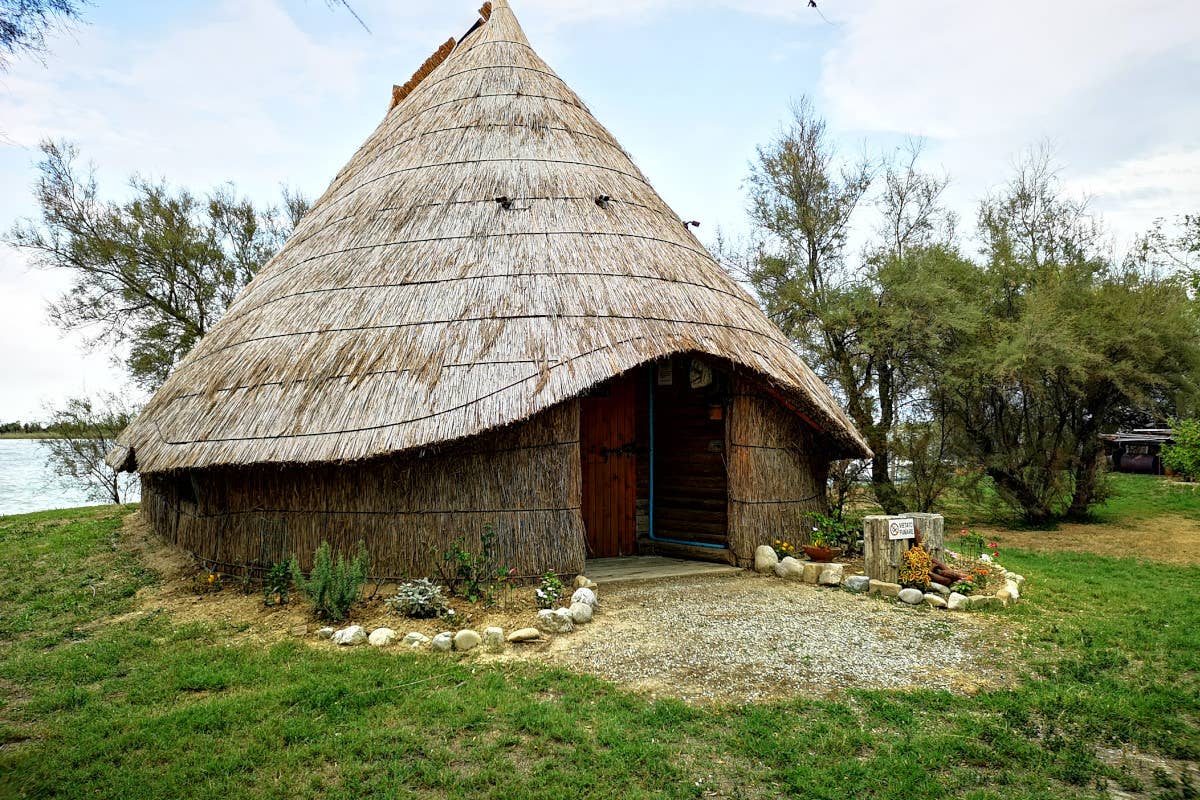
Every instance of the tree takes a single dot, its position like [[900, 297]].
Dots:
[[1053, 343], [861, 325], [85, 431], [25, 23], [150, 275]]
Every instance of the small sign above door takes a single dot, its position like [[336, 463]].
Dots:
[[665, 374], [901, 529]]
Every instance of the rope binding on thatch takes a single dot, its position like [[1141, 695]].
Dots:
[[431, 63], [486, 11]]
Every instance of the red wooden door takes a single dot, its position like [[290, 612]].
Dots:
[[608, 457]]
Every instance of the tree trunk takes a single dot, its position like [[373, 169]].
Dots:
[[881, 482], [1087, 478], [1035, 509]]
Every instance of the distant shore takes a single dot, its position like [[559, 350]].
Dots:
[[19, 435]]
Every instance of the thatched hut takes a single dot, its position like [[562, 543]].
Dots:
[[489, 320]]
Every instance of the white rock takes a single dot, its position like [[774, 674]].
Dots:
[[581, 613], [765, 559], [1019, 580], [583, 582], [857, 583], [831, 574], [525, 635], [884, 588], [911, 596], [1014, 589], [935, 600], [325, 633], [415, 640], [985, 557], [944, 591], [957, 602], [467, 640], [355, 634], [555, 621], [493, 639], [584, 595], [443, 642], [812, 571], [381, 637], [790, 569]]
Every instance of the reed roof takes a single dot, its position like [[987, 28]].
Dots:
[[461, 273]]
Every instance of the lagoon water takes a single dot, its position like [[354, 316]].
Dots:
[[27, 484]]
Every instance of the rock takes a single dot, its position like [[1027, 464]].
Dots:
[[957, 602], [857, 583], [983, 601], [985, 557], [581, 613], [381, 637], [812, 571], [525, 635], [493, 639], [584, 595], [1005, 597], [301, 630], [443, 642], [1013, 588], [1019, 580], [556, 621], [831, 574], [466, 640], [583, 582], [415, 640], [355, 634], [944, 591], [884, 588], [765, 559], [789, 569], [911, 596], [325, 633], [935, 600]]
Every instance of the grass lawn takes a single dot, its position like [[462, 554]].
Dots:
[[96, 705]]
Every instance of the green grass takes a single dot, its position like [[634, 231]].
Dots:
[[1135, 498], [142, 707]]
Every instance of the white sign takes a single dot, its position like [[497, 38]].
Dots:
[[901, 529]]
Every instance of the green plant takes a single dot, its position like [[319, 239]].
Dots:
[[828, 531], [334, 583], [277, 584], [549, 590], [421, 598], [783, 549], [473, 576], [970, 544], [1184, 455]]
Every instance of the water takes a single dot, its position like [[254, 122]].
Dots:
[[27, 484]]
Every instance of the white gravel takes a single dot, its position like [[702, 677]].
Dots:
[[748, 637]]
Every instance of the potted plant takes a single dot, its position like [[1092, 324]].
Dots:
[[822, 544]]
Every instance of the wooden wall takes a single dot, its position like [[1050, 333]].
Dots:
[[524, 480]]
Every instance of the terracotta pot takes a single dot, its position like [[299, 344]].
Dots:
[[821, 553]]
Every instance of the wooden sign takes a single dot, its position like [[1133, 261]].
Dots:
[[901, 529]]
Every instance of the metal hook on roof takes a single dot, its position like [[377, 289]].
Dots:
[[603, 200]]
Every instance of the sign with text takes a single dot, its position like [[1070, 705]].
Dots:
[[901, 529]]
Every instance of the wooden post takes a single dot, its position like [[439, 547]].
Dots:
[[884, 556]]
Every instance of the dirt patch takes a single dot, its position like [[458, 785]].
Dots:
[[1168, 539]]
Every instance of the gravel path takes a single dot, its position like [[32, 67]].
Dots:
[[749, 637]]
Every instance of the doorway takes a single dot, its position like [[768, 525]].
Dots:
[[608, 454]]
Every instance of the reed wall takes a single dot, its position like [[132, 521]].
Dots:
[[408, 509]]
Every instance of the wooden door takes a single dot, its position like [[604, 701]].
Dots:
[[608, 458]]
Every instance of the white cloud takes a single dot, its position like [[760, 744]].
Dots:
[[1135, 192]]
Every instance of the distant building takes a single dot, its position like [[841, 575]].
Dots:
[[1137, 450]]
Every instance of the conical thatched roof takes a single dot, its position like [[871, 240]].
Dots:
[[412, 307]]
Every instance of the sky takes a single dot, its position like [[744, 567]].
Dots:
[[270, 92]]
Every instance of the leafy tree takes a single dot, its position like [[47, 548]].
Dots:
[[862, 324], [85, 430], [25, 23], [150, 275], [1183, 456]]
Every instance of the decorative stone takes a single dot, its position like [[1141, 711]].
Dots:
[[443, 642], [1019, 580], [299, 630], [381, 637], [325, 633], [857, 583], [583, 582], [789, 569], [1013, 589], [415, 640], [911, 596], [525, 635], [935, 600], [884, 588], [983, 601], [831, 574], [1005, 597], [466, 640], [493, 639], [584, 595], [581, 613], [555, 621], [944, 591], [957, 602], [765, 559], [355, 634], [812, 571]]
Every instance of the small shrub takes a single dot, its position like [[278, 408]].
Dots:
[[476, 576], [1184, 455], [549, 590], [278, 584], [784, 549], [334, 584], [916, 568], [421, 598]]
